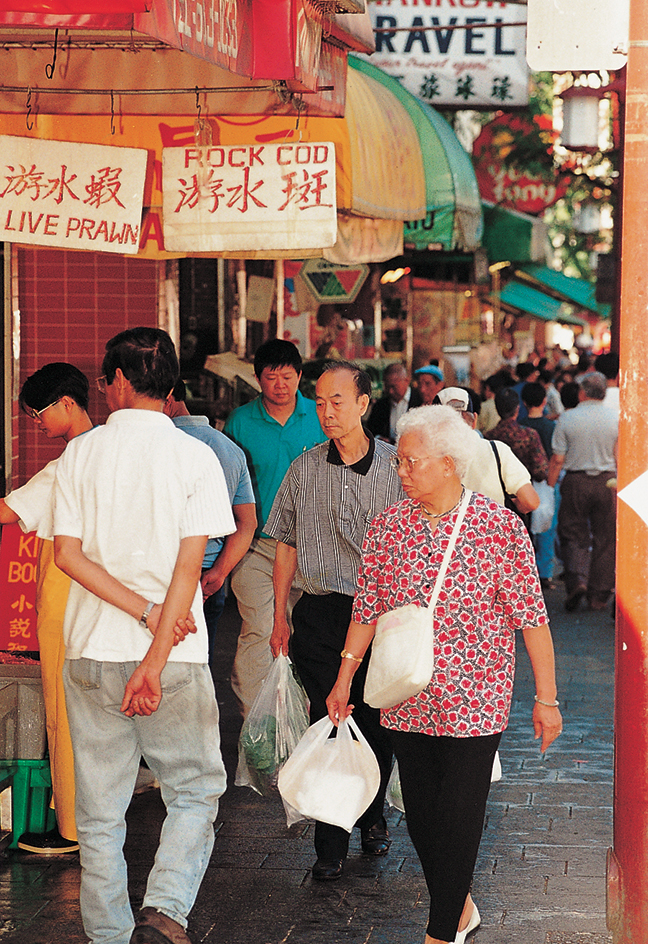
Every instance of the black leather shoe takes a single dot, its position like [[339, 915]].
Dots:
[[376, 841], [326, 871], [49, 843]]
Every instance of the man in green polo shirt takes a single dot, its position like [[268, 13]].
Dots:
[[272, 431]]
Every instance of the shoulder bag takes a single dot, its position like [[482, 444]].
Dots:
[[402, 654]]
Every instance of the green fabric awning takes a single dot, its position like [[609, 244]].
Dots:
[[454, 215], [510, 236], [564, 287], [526, 299]]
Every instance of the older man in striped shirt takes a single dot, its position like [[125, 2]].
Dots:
[[320, 516]]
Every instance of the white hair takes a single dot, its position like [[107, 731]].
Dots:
[[444, 433]]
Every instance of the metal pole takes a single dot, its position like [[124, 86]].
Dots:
[[628, 860], [279, 277]]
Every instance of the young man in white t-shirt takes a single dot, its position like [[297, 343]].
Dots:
[[134, 504]]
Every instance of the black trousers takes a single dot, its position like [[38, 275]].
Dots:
[[320, 625], [445, 783]]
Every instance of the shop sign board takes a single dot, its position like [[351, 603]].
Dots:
[[249, 197], [578, 36], [331, 283], [18, 560], [71, 195], [507, 186], [454, 53]]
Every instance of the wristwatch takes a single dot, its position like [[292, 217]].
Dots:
[[145, 615]]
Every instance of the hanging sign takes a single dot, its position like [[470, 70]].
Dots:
[[331, 283], [454, 53], [249, 197], [70, 195], [18, 560], [527, 191]]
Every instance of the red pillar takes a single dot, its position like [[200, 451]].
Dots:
[[628, 860]]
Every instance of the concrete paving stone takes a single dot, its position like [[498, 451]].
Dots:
[[540, 875]]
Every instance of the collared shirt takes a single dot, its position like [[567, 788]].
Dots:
[[526, 444], [586, 437], [396, 411], [131, 491], [324, 509], [270, 447], [233, 463]]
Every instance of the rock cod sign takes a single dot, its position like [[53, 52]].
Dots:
[[249, 197], [75, 196]]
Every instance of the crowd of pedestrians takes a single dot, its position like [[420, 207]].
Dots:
[[145, 520]]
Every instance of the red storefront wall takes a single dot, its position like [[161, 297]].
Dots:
[[70, 304]]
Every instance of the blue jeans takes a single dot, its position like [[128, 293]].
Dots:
[[181, 744]]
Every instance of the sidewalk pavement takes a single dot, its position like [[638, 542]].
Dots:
[[540, 877]]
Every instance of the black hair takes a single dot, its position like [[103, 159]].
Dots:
[[179, 392], [525, 370], [147, 359], [52, 382], [277, 353], [506, 402], [361, 378], [607, 364], [501, 379], [533, 394], [570, 395]]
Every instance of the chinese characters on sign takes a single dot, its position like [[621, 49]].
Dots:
[[18, 560], [457, 53], [249, 197], [75, 196]]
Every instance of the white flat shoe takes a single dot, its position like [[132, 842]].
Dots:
[[475, 920]]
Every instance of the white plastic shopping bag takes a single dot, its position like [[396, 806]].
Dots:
[[542, 516], [330, 779], [395, 792]]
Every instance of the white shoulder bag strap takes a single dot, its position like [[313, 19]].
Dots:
[[438, 583]]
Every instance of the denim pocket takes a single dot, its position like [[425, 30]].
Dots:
[[175, 676], [85, 673]]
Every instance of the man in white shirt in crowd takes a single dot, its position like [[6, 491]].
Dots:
[[134, 503]]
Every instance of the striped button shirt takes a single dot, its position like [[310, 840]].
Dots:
[[324, 508]]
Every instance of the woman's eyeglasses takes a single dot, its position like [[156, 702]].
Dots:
[[406, 462], [101, 383]]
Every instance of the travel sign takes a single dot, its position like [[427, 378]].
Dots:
[[454, 53]]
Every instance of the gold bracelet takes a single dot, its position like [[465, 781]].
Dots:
[[349, 655]]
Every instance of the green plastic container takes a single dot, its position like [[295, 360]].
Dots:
[[31, 793]]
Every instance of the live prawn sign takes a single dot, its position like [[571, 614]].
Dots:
[[278, 196], [71, 195]]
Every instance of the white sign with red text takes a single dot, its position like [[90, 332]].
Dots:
[[249, 197], [454, 53], [70, 195]]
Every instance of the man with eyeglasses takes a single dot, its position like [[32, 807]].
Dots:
[[56, 398], [319, 518]]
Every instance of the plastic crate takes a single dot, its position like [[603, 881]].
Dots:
[[23, 734], [31, 793]]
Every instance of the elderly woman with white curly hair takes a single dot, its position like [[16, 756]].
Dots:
[[445, 738]]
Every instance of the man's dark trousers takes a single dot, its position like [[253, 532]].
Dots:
[[587, 532], [320, 625]]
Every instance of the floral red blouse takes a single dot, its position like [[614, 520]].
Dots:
[[491, 589]]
